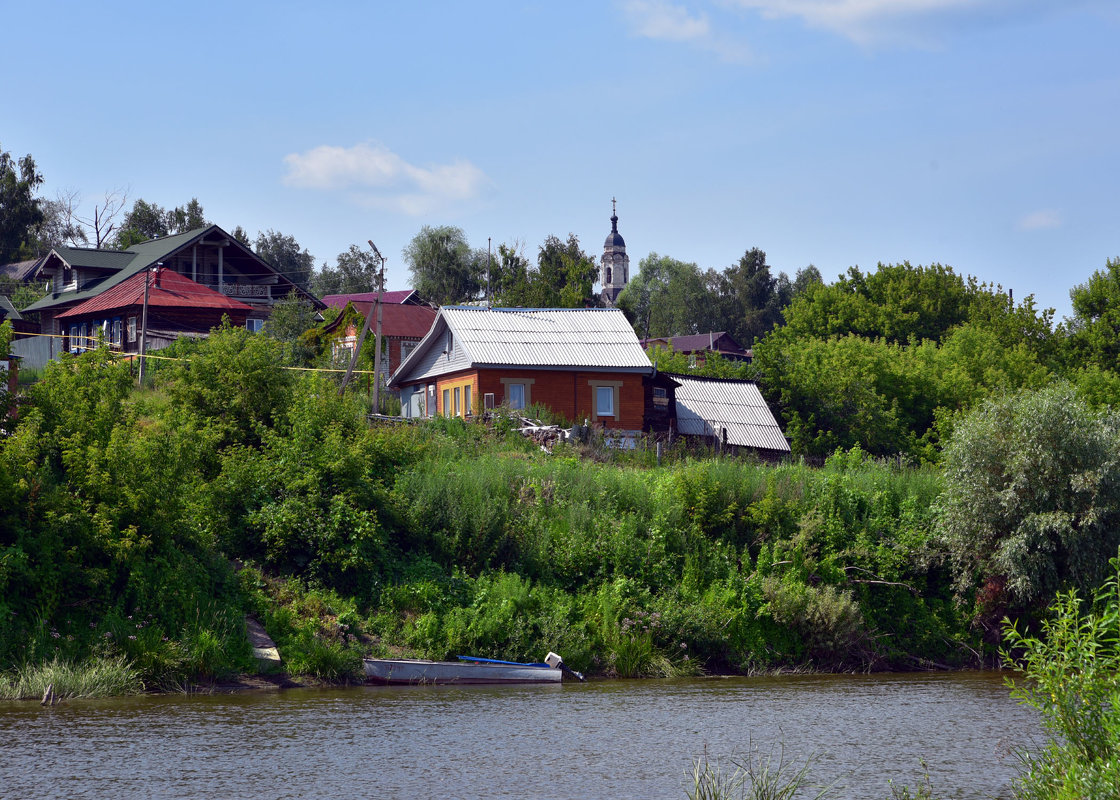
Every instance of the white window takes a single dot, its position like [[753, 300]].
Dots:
[[467, 400], [604, 401], [447, 402], [515, 395], [83, 337], [75, 343], [660, 396], [488, 401], [457, 393], [116, 336], [132, 329], [254, 325]]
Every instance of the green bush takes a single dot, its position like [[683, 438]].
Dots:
[[1072, 677]]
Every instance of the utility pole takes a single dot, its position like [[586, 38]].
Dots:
[[144, 324], [377, 331], [373, 309]]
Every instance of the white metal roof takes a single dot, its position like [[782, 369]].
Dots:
[[707, 407], [590, 338]]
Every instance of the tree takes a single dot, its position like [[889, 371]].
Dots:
[[284, 254], [509, 277], [667, 298], [1031, 503], [241, 235], [443, 268], [145, 221], [102, 222], [565, 275], [355, 271], [290, 318], [748, 298], [21, 213], [186, 218], [1094, 331]]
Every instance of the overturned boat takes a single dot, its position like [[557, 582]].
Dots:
[[467, 670]]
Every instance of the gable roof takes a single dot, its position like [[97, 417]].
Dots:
[[709, 406], [532, 338], [7, 310], [405, 321], [119, 265], [716, 341], [20, 270], [167, 289], [396, 297]]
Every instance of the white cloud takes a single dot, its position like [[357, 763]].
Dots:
[[899, 21], [382, 178], [1040, 220], [657, 19], [662, 20]]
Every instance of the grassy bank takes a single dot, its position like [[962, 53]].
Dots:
[[146, 523]]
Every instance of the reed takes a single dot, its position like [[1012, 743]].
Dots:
[[99, 677]]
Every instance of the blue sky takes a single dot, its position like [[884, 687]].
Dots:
[[981, 134]]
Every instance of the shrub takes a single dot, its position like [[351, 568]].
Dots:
[[1072, 677]]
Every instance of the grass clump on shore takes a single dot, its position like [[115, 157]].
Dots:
[[98, 677]]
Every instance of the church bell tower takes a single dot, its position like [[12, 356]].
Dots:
[[614, 267]]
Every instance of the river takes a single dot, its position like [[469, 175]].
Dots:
[[603, 739]]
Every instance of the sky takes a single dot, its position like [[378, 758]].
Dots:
[[980, 134]]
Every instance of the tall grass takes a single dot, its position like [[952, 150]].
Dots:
[[99, 677]]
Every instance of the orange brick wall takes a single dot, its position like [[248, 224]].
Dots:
[[567, 393]]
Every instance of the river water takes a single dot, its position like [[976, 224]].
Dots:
[[606, 739]]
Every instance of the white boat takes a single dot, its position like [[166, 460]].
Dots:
[[467, 670]]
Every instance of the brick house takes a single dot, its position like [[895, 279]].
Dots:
[[581, 363]]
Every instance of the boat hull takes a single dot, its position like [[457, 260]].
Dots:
[[413, 671]]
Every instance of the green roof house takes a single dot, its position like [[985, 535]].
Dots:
[[208, 256]]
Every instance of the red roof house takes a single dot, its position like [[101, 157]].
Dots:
[[177, 306], [403, 325]]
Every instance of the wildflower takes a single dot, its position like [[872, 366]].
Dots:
[[133, 638], [55, 634], [684, 646], [108, 634]]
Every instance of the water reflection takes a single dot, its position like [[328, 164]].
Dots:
[[616, 739]]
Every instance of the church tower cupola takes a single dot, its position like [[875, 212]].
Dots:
[[614, 267]]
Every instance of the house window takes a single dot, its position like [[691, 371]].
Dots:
[[456, 401], [75, 342], [488, 401], [254, 325], [518, 392], [447, 402], [467, 400], [132, 329], [604, 401], [660, 396], [83, 337], [116, 336], [407, 348]]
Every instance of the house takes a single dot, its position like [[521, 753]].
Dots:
[[728, 413], [403, 325], [583, 363], [177, 306], [697, 346], [207, 256]]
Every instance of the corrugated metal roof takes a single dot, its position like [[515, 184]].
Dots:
[[547, 337], [169, 290], [707, 407]]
